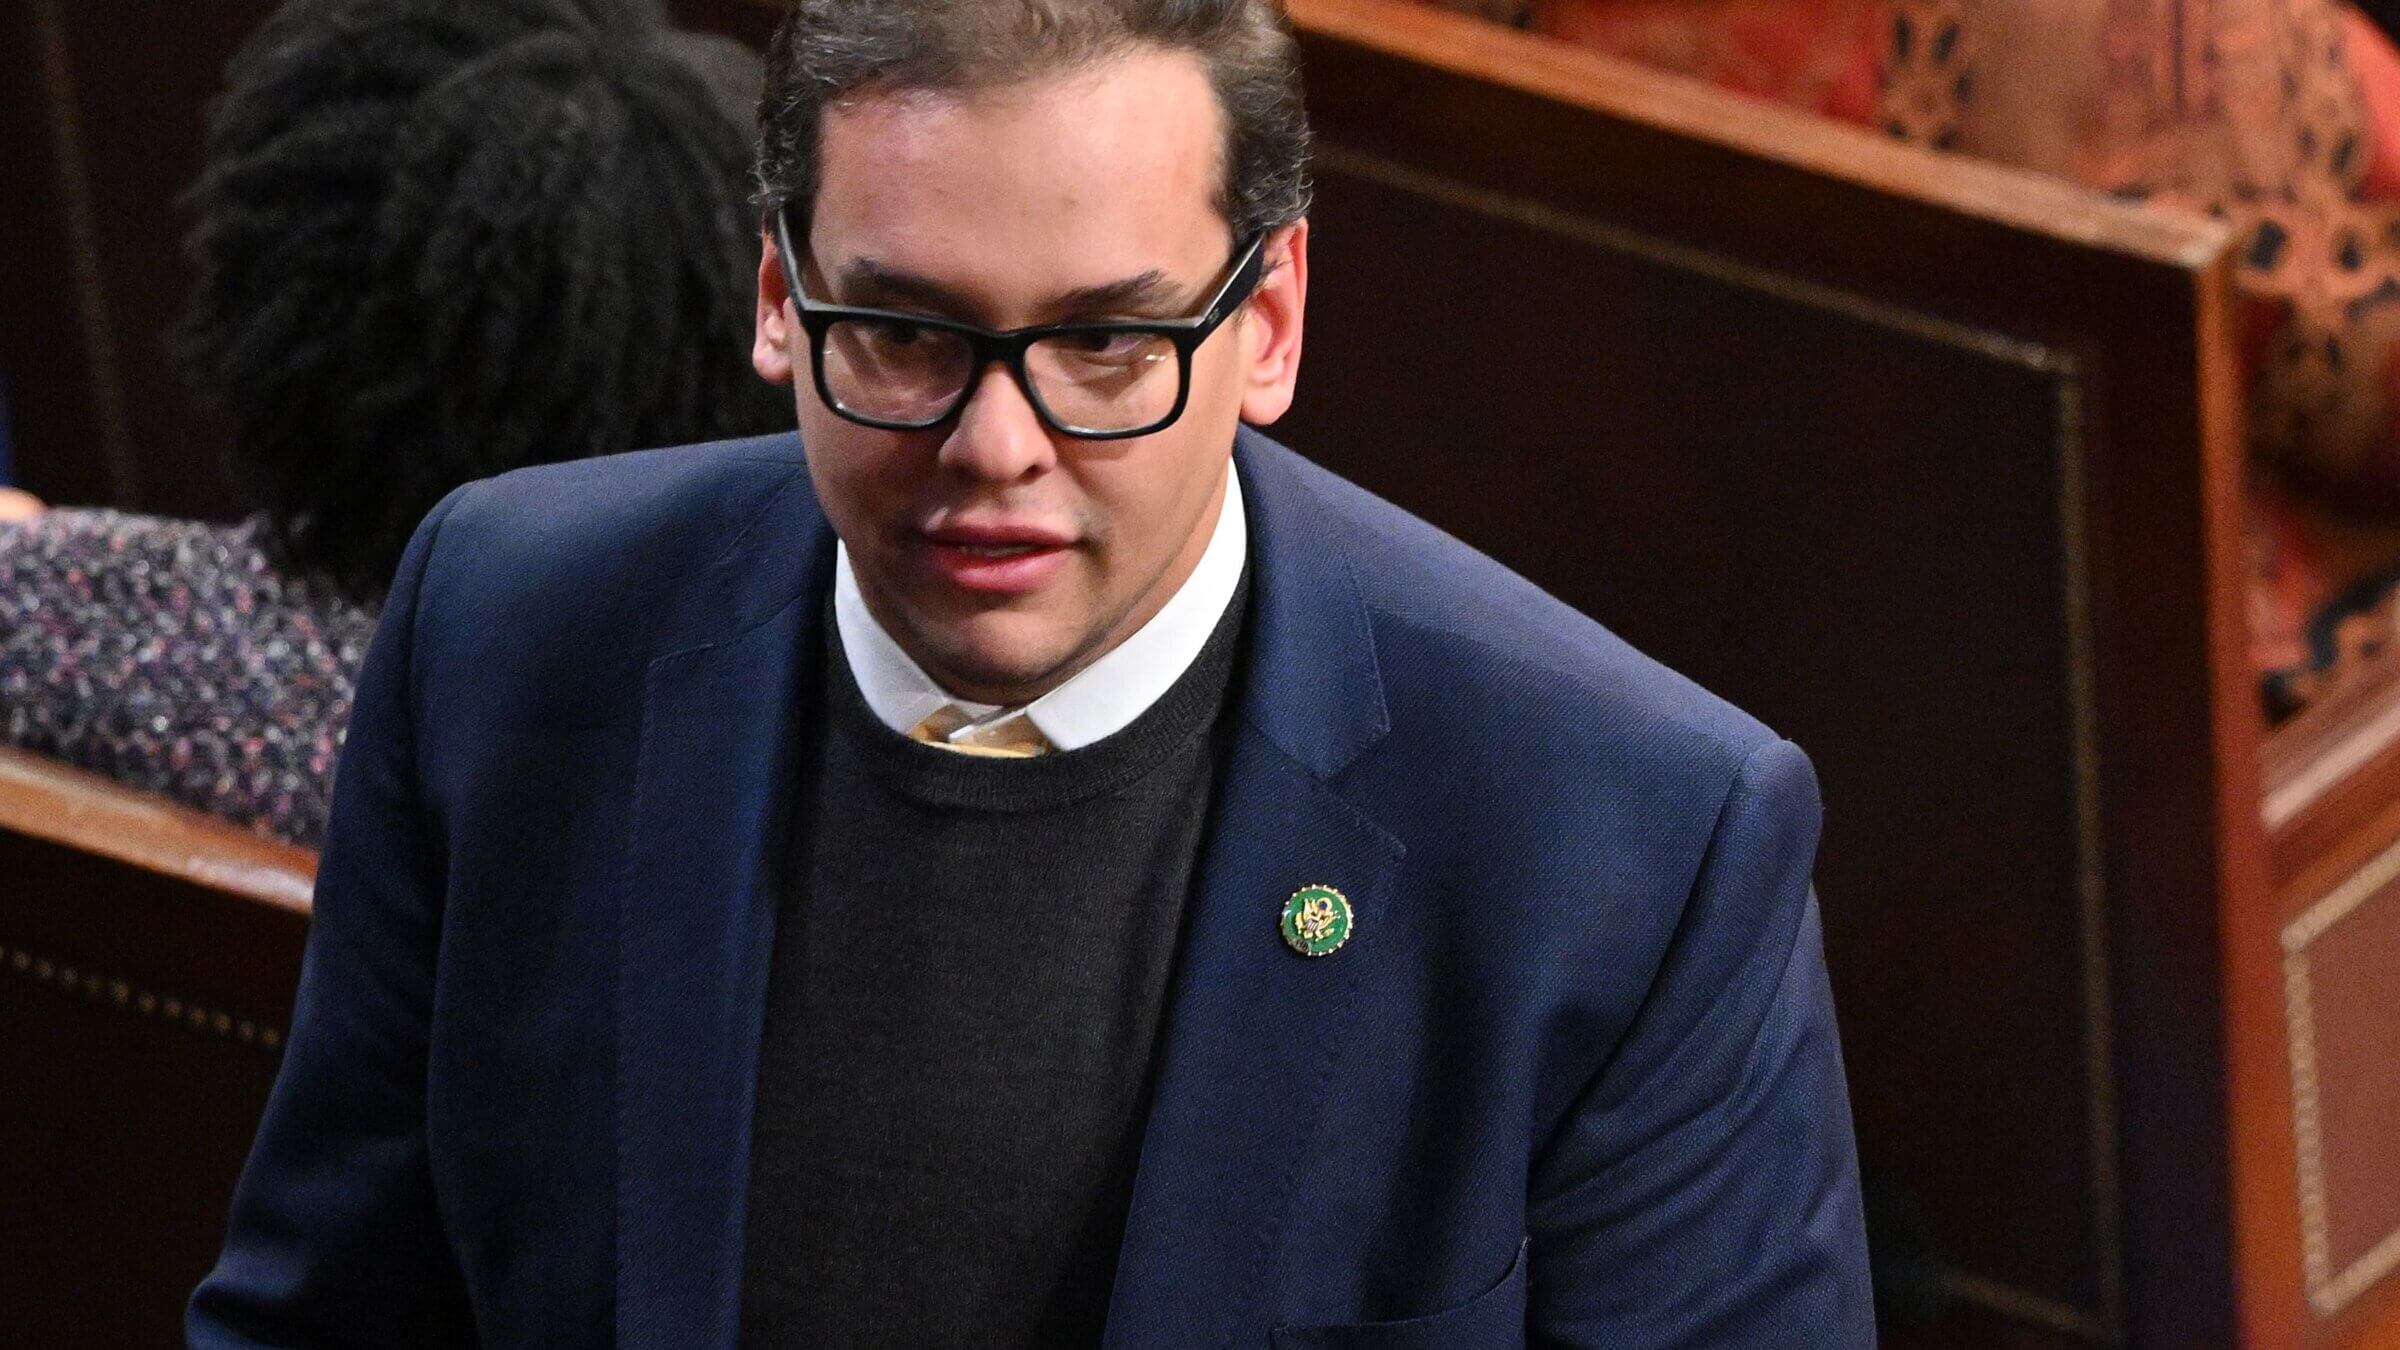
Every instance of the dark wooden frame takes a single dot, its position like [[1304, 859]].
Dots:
[[148, 955], [2131, 306]]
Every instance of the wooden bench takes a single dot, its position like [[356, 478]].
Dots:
[[1937, 467], [148, 956]]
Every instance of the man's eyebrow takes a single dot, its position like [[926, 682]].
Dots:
[[1151, 294]]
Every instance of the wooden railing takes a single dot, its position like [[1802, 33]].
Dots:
[[148, 955]]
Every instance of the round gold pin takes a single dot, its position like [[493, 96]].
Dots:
[[1316, 921]]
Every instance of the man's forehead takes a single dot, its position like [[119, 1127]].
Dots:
[[1116, 163]]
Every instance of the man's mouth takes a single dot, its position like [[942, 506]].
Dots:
[[1000, 550], [997, 559], [995, 538]]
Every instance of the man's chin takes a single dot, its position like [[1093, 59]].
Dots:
[[1005, 668]]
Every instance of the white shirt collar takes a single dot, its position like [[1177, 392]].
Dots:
[[1104, 697]]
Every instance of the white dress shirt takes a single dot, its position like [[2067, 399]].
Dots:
[[1104, 697]]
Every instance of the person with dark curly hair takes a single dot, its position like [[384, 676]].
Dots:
[[436, 241]]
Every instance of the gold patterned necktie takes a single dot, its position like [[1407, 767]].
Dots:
[[1014, 737]]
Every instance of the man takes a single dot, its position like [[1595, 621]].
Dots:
[[1046, 866]]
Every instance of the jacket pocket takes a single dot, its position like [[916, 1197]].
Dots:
[[1492, 1320]]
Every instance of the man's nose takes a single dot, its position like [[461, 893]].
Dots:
[[998, 437]]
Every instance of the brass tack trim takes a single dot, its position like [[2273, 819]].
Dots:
[[118, 993], [2330, 1290]]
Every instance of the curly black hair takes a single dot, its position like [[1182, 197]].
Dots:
[[440, 239]]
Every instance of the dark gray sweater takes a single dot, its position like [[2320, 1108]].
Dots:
[[970, 963]]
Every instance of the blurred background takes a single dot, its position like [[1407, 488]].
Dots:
[[1999, 397]]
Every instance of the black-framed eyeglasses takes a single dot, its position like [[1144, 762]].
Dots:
[[1098, 381]]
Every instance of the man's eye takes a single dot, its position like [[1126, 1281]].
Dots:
[[1110, 346], [895, 333]]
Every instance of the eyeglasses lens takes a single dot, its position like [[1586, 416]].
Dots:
[[894, 371], [1106, 381], [897, 372]]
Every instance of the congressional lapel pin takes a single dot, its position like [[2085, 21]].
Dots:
[[1316, 921]]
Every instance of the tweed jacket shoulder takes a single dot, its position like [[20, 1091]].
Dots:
[[171, 655]]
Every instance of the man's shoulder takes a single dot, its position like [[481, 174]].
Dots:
[[1460, 638], [661, 507], [1577, 783], [590, 565]]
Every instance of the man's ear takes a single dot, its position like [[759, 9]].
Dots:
[[771, 346], [1276, 311]]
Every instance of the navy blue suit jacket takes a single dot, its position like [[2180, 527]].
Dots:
[[1573, 1081]]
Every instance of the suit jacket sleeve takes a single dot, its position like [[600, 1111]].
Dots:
[[335, 1237], [1704, 1189]]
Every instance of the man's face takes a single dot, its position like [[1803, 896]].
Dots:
[[1001, 555]]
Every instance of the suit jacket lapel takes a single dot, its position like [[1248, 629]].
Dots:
[[720, 739], [1240, 1078]]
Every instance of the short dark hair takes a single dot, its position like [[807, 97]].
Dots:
[[441, 239], [828, 49]]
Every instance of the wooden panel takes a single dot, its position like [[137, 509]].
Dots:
[[101, 116], [2330, 774], [2334, 804], [1954, 910], [148, 956], [2341, 955], [2333, 809], [1935, 467]]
